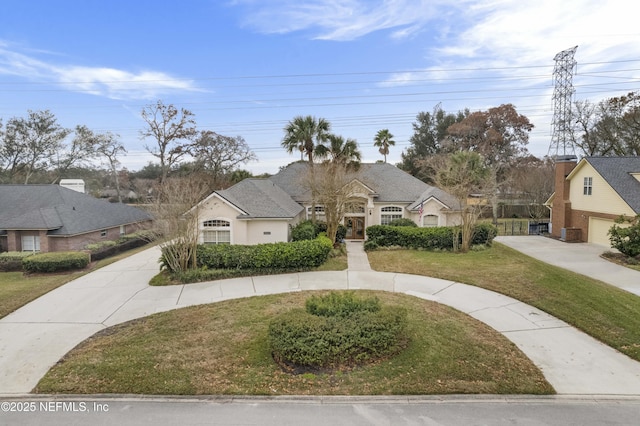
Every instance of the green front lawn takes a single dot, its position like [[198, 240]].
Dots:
[[222, 348], [18, 289], [607, 313]]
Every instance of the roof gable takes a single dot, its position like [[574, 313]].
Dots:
[[618, 172], [261, 198], [355, 186]]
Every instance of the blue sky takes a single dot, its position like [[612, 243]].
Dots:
[[247, 67]]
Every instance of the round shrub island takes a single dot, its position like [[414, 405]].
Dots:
[[337, 331]]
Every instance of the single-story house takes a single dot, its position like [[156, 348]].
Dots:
[[263, 210], [590, 194], [48, 218]]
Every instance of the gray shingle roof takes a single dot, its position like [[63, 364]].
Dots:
[[261, 198], [61, 211], [387, 181], [617, 172]]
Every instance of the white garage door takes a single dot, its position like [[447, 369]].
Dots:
[[598, 229]]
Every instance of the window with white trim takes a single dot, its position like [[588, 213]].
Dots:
[[429, 220], [588, 186], [319, 211], [216, 231], [387, 214], [31, 243]]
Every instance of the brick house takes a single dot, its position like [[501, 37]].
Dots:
[[590, 194], [48, 218]]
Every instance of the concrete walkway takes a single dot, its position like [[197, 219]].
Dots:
[[357, 258], [35, 337], [583, 258]]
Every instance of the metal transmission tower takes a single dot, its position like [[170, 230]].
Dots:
[[561, 139]]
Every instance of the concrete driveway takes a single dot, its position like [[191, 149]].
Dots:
[[582, 258], [35, 337]]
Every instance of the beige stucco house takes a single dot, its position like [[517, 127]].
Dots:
[[263, 210], [590, 194]]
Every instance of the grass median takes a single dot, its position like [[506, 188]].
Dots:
[[605, 312], [223, 349]]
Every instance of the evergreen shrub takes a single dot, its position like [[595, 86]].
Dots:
[[55, 261], [626, 239], [12, 260], [336, 331], [433, 238], [307, 230], [295, 255]]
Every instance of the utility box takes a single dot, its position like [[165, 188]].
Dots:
[[571, 235]]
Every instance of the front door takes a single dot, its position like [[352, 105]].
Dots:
[[355, 227]]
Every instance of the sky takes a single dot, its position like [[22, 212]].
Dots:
[[248, 67]]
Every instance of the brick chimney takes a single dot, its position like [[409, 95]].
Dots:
[[561, 207]]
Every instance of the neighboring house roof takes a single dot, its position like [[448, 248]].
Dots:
[[389, 184], [61, 211], [261, 198], [618, 173]]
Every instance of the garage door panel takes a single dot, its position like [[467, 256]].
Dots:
[[598, 229]]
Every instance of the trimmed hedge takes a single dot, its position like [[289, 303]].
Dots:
[[56, 261], [12, 260], [403, 221], [121, 246], [436, 238], [337, 331], [297, 255], [104, 249]]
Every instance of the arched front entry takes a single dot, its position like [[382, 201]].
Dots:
[[355, 227], [355, 219]]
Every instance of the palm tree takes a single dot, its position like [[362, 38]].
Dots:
[[305, 134], [383, 140], [340, 151]]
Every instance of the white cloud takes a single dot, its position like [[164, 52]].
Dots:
[[339, 20], [513, 43], [512, 33], [101, 81]]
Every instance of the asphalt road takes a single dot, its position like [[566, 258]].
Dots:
[[352, 411]]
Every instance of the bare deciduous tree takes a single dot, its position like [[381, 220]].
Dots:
[[173, 131], [109, 147], [32, 144], [219, 155], [462, 174], [332, 184], [176, 220], [532, 181], [610, 127]]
